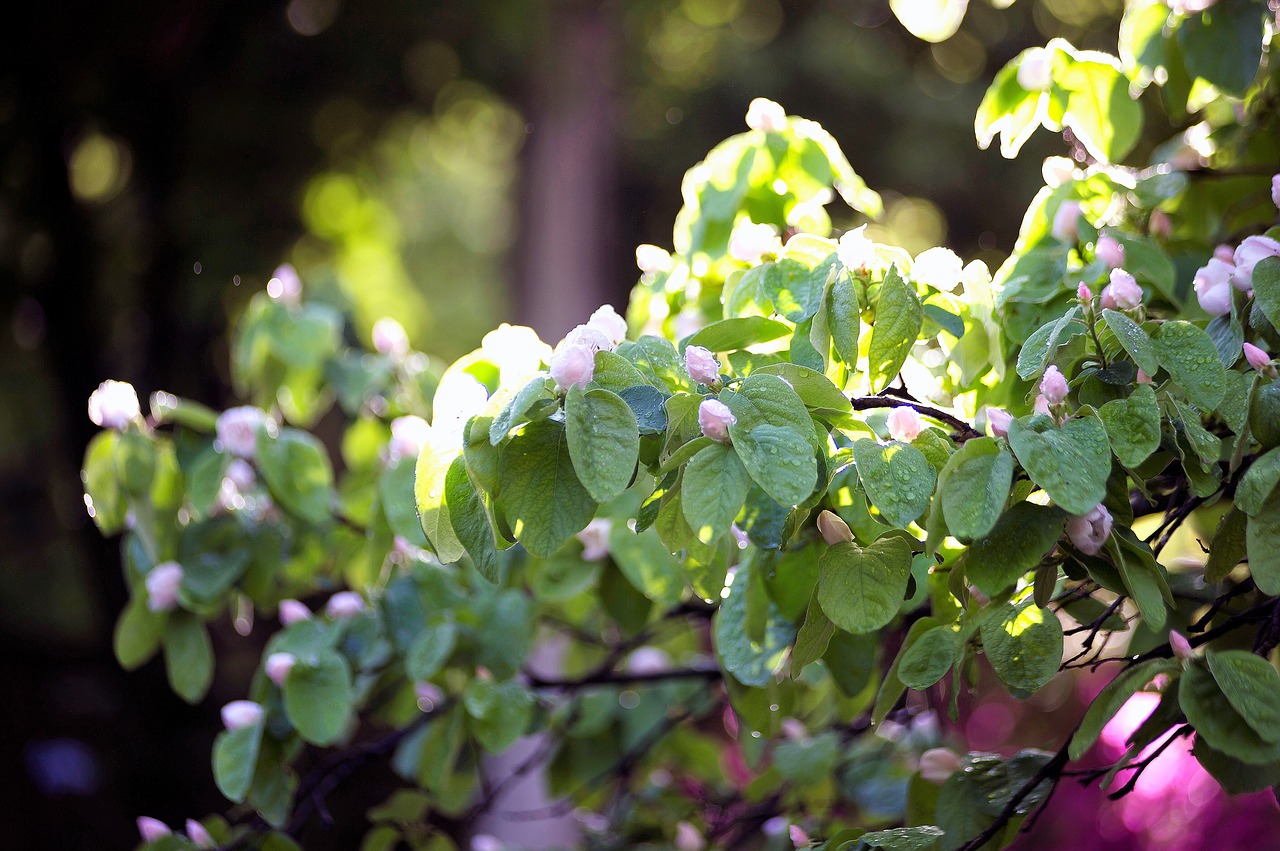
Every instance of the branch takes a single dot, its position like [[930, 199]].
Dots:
[[1051, 771], [608, 677], [963, 430]]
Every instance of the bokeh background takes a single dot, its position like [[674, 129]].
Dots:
[[452, 164]]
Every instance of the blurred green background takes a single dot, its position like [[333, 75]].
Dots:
[[451, 164]]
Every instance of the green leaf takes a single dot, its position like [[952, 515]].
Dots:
[[1262, 541], [138, 632], [929, 659], [538, 491], [730, 335], [649, 406], [976, 486], [1113, 696], [794, 288], [1252, 687], [1228, 547], [714, 490], [898, 479], [430, 477], [1236, 776], [188, 656], [1266, 288], [780, 459], [893, 687], [922, 838], [813, 638], [1007, 109], [1191, 358], [1024, 645], [395, 491], [500, 712], [604, 441], [807, 760], [843, 318], [106, 503], [1133, 425], [1259, 482], [751, 661], [1216, 719], [861, 590], [318, 697], [658, 362], [235, 754], [1041, 346], [1133, 340], [470, 521], [537, 394], [1224, 45], [899, 318], [296, 469], [431, 648], [1099, 111], [647, 564], [1143, 578], [817, 391], [1071, 462]]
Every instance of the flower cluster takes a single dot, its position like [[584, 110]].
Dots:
[[1231, 269], [574, 360]]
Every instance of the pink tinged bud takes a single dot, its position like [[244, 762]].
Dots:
[[1088, 532], [799, 838], [428, 694], [1066, 222], [278, 666], [1110, 251], [239, 714], [114, 405], [1123, 293], [198, 834], [904, 424], [408, 436], [793, 729], [751, 241], [937, 764], [588, 337], [292, 611], [1180, 646], [1143, 378], [940, 268], [343, 605], [1040, 405], [1057, 171], [573, 366], [1212, 284], [389, 337], [1275, 190], [1160, 224], [1084, 293], [856, 250], [151, 829], [1257, 358], [595, 539], [648, 660], [241, 474], [1053, 386], [999, 419], [714, 418], [607, 321], [764, 114], [702, 366], [1225, 253], [833, 528], [651, 259], [689, 838], [237, 430], [285, 286], [1248, 253], [1035, 72], [163, 583]]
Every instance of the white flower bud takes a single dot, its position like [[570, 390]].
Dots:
[[1088, 532], [1275, 190], [856, 251], [408, 436], [595, 539], [833, 528], [764, 114], [1035, 72], [114, 405], [241, 475], [1040, 405], [239, 714], [428, 694], [607, 321], [751, 241], [590, 337], [389, 337], [1257, 358], [1212, 284], [799, 838], [278, 666], [237, 430], [651, 259], [344, 604], [200, 835], [940, 268], [648, 660], [1182, 648], [1066, 222], [151, 829], [163, 582], [572, 365], [714, 418], [292, 611], [701, 365], [1057, 171], [1248, 254], [904, 424], [688, 837]]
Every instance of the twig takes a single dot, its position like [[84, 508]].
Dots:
[[963, 430], [609, 677]]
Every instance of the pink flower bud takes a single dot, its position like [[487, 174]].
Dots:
[[1257, 358], [999, 419], [607, 321], [1275, 189], [343, 605], [1040, 405], [389, 337], [285, 286], [904, 423], [701, 365], [1057, 171], [764, 114], [428, 694], [648, 660], [239, 714], [751, 241], [595, 539], [163, 582], [799, 838], [1035, 72], [793, 729], [408, 436], [151, 829], [1053, 386], [278, 666], [114, 405], [1213, 286], [689, 838], [1123, 293], [940, 268], [833, 528], [589, 337], [1180, 646], [1110, 251], [937, 764], [198, 834], [572, 365], [1143, 378], [714, 418], [237, 430], [241, 474], [1084, 293], [1160, 224], [856, 250], [651, 259], [1248, 254], [292, 611], [1066, 222], [1088, 532], [1226, 253]]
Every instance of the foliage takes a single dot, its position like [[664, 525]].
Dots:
[[803, 530]]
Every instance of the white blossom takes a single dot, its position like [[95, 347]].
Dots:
[[114, 405]]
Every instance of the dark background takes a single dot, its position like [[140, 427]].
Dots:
[[156, 161]]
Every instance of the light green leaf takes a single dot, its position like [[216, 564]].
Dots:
[[1071, 462], [235, 754], [780, 459], [977, 481], [921, 838], [1113, 696], [843, 318], [138, 632], [817, 391], [893, 687], [1133, 425], [604, 441], [899, 318], [715, 487], [898, 479], [813, 638], [794, 288], [1191, 358], [431, 475], [1024, 644], [752, 661], [861, 590], [188, 656], [296, 469], [537, 394], [538, 491], [647, 564], [730, 335], [1252, 687], [431, 648], [1259, 482], [395, 491], [470, 521], [1133, 339], [1015, 545], [318, 697], [499, 712], [929, 659], [1040, 347], [1262, 539], [1100, 112]]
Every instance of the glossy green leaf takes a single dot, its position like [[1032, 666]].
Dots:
[[538, 490], [929, 658], [604, 441], [899, 318], [975, 488], [470, 521], [1133, 425], [1113, 696], [1191, 358], [730, 335], [898, 479], [861, 590], [1217, 720], [1133, 339], [1252, 686], [714, 490], [1071, 462], [1024, 645]]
